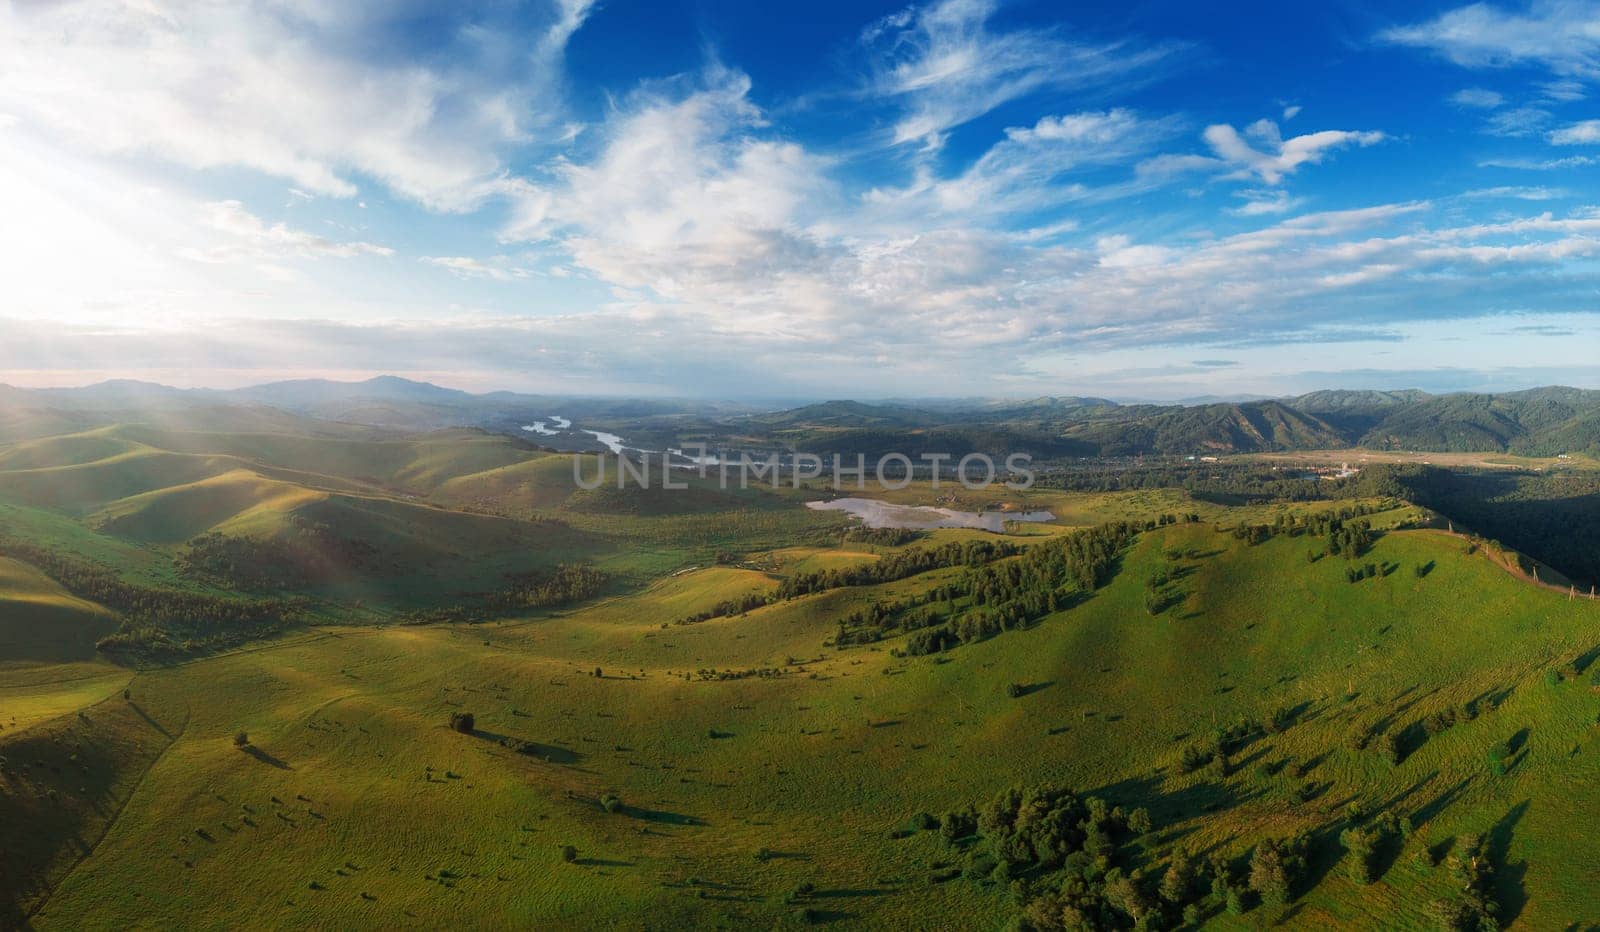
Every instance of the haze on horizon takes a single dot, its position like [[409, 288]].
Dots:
[[955, 198]]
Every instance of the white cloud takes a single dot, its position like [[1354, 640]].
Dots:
[[1030, 169], [247, 237], [946, 66], [1517, 121], [1571, 161], [1585, 133], [1520, 193], [1561, 35], [497, 268], [1565, 91], [1265, 203], [297, 90], [1478, 98], [1291, 112], [683, 191], [1279, 157]]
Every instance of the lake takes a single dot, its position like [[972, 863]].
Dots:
[[875, 513]]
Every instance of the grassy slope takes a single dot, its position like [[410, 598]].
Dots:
[[40, 622], [820, 769]]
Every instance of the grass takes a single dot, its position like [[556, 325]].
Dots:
[[42, 622], [745, 757], [821, 769]]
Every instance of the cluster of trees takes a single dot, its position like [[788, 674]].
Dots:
[[308, 553], [1217, 483], [996, 595], [1345, 535], [745, 603], [1473, 871], [1364, 842], [897, 566], [1216, 751], [1067, 860], [715, 675], [880, 536], [567, 583], [161, 621]]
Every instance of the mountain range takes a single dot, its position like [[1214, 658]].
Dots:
[[1536, 422]]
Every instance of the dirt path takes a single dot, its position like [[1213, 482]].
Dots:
[[1546, 575]]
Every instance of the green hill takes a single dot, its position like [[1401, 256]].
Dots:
[[738, 789], [42, 622]]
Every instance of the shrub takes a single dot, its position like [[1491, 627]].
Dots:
[[1389, 747], [1439, 721], [957, 825], [1194, 757], [462, 722]]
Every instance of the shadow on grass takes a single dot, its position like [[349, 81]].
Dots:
[[819, 917], [266, 758], [1508, 877], [1431, 809], [549, 753], [157, 725], [660, 816]]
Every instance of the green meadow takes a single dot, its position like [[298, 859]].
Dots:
[[626, 767]]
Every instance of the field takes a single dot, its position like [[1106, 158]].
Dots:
[[747, 769]]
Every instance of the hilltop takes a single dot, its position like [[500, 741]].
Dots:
[[1537, 422]]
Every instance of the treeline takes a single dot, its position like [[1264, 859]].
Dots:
[[309, 553], [897, 566], [750, 601], [880, 536], [1217, 483], [1553, 517], [1072, 863], [887, 569], [161, 621], [1342, 533], [998, 595], [566, 584]]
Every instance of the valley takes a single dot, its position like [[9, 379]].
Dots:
[[717, 707]]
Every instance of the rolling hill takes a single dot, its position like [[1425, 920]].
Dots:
[[792, 796]]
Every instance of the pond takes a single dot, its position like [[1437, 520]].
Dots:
[[875, 513]]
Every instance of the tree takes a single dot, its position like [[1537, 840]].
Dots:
[[569, 854], [1178, 882], [462, 722], [1360, 849], [611, 802], [1139, 821], [241, 740], [1015, 690], [1274, 868]]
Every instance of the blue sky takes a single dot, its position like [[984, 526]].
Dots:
[[1146, 199]]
